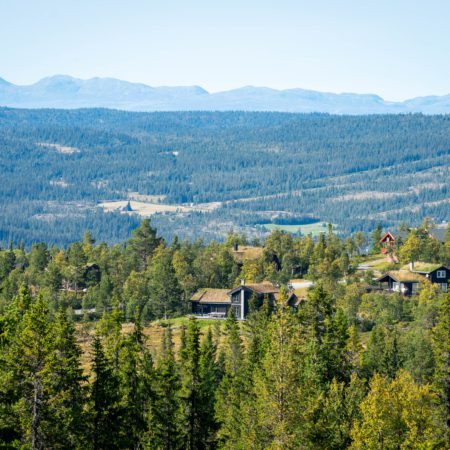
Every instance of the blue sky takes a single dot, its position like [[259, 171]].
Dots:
[[397, 49]]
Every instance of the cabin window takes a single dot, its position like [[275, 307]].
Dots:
[[440, 274], [415, 288], [444, 287], [396, 286]]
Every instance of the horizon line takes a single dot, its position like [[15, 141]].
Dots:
[[212, 91]]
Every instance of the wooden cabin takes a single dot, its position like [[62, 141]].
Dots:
[[215, 303], [436, 273], [407, 280], [402, 281], [388, 240], [211, 302]]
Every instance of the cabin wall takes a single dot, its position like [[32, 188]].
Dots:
[[434, 276]]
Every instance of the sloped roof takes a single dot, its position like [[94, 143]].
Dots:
[[438, 233], [246, 252], [266, 287], [301, 292], [401, 234], [386, 235], [403, 276], [423, 267], [210, 295]]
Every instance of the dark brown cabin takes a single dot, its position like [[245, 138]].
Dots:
[[215, 303]]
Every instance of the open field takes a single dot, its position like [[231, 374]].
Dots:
[[377, 263], [64, 149], [145, 208], [313, 228]]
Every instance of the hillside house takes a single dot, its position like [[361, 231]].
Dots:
[[408, 279], [388, 240], [211, 302], [215, 303]]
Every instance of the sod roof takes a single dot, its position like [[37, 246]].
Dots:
[[423, 267], [246, 253], [210, 295], [404, 276]]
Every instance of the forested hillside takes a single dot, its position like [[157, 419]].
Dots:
[[349, 367], [234, 170]]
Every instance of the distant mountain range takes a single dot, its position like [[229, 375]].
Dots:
[[61, 91]]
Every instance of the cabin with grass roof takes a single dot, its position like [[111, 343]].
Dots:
[[216, 303], [407, 280], [211, 302]]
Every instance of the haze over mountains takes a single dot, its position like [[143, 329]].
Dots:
[[61, 91]]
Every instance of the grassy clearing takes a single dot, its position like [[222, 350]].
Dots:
[[142, 208], [378, 262], [312, 228]]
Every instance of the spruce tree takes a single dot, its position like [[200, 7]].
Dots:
[[190, 390], [136, 377], [27, 362], [105, 412], [207, 390], [276, 384], [441, 350], [64, 416], [164, 421]]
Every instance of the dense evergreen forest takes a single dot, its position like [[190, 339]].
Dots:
[[353, 171], [349, 368]]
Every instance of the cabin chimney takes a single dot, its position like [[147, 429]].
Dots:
[[411, 266], [242, 281], [236, 246]]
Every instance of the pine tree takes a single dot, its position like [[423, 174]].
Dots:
[[143, 243]]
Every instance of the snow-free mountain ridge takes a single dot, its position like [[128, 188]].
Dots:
[[62, 91]]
